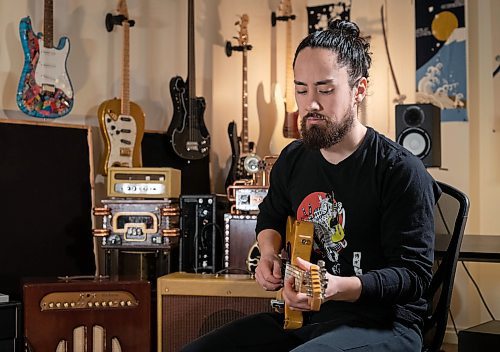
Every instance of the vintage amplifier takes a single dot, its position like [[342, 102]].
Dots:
[[144, 182], [190, 305], [246, 197], [87, 315], [138, 222], [240, 245], [201, 223]]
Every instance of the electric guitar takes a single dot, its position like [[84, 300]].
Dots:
[[286, 127], [299, 241], [244, 161], [44, 89], [187, 131], [121, 121]]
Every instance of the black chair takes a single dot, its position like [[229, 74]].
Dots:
[[450, 217]]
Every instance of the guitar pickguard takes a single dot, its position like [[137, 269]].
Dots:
[[190, 139], [44, 89], [122, 134]]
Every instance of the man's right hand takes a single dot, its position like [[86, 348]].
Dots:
[[268, 272]]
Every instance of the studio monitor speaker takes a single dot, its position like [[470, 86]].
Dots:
[[418, 129], [190, 305]]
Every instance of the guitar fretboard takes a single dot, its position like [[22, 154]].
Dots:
[[48, 24], [125, 103], [244, 133]]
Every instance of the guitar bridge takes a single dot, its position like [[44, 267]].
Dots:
[[125, 152]]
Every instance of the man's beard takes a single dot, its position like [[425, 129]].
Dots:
[[320, 136]]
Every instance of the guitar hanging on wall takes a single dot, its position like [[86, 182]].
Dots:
[[121, 121], [187, 132], [244, 161], [44, 89], [286, 127]]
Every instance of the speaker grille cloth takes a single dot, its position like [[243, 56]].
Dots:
[[188, 317]]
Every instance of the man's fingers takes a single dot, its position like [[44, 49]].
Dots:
[[303, 264]]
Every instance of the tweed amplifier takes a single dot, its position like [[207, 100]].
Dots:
[[190, 305], [87, 315], [144, 182], [138, 222]]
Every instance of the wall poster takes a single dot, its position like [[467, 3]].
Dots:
[[441, 70]]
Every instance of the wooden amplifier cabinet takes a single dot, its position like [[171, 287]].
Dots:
[[190, 305], [240, 244], [87, 315]]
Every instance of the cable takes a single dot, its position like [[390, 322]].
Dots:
[[478, 290], [465, 267]]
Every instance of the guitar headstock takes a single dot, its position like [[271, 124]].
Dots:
[[285, 8], [122, 8], [312, 282], [243, 31]]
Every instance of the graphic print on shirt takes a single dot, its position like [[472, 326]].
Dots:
[[329, 218]]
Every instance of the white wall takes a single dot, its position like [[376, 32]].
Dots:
[[159, 52]]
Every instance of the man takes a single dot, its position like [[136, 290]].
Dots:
[[371, 202]]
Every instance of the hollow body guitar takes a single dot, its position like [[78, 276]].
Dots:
[[299, 241]]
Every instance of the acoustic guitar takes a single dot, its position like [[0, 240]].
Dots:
[[286, 128], [44, 88], [121, 121], [299, 241], [244, 160], [187, 131]]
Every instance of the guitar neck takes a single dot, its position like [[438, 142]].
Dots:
[[289, 92], [244, 132], [48, 24], [125, 103], [191, 57]]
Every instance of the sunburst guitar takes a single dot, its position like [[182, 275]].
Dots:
[[44, 88]]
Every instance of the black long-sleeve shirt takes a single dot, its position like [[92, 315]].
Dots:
[[373, 216]]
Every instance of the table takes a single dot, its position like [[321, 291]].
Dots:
[[475, 248]]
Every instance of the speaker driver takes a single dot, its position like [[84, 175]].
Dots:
[[416, 140], [414, 116]]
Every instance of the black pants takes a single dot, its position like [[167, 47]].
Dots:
[[264, 332]]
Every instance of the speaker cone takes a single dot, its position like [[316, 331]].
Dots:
[[414, 116], [416, 140]]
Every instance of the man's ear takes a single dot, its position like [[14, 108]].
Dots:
[[360, 89]]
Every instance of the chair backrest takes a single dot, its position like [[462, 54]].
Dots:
[[450, 217]]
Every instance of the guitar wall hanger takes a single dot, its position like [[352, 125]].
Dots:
[[230, 48], [114, 20], [275, 18]]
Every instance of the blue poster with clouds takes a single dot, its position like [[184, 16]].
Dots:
[[441, 72]]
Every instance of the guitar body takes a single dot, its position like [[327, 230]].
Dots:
[[122, 134], [238, 171], [299, 241], [44, 88], [189, 135]]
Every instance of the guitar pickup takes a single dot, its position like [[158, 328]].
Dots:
[[278, 305], [49, 88], [125, 152], [125, 141]]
